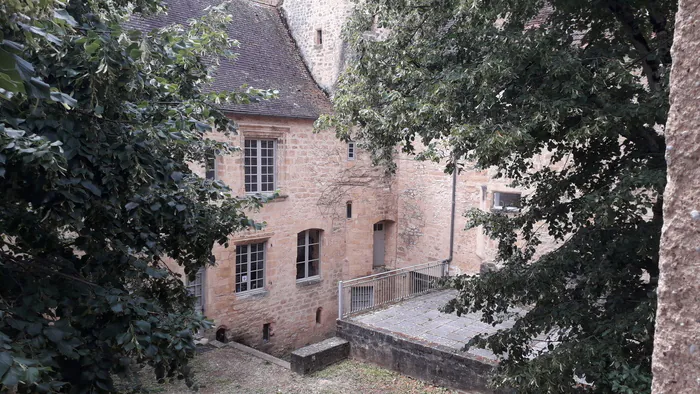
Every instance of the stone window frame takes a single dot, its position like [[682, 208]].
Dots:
[[253, 131], [497, 207], [259, 146], [211, 172], [307, 260], [352, 150], [196, 289], [248, 281]]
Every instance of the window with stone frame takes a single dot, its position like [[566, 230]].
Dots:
[[308, 254], [506, 202], [259, 166], [210, 167], [351, 151], [250, 267], [196, 289]]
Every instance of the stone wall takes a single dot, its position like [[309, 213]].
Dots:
[[432, 363], [305, 17], [676, 360], [309, 167]]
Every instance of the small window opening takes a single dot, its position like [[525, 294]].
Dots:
[[507, 202], [318, 315], [351, 151], [319, 37], [348, 209], [210, 167], [379, 227], [266, 332]]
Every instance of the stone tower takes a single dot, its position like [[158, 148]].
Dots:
[[316, 27]]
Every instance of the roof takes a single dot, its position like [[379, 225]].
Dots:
[[267, 58]]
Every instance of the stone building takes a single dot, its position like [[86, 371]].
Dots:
[[337, 217]]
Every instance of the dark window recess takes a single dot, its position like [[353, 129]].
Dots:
[[210, 167], [379, 227], [266, 332], [348, 209], [318, 315], [319, 37], [506, 202]]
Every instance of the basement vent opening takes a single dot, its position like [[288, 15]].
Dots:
[[318, 315]]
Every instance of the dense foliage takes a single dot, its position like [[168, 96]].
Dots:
[[98, 127], [507, 84]]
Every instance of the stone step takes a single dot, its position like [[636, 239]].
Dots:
[[320, 355]]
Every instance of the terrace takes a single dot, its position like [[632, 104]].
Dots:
[[392, 319]]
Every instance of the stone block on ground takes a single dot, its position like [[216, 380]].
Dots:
[[320, 355]]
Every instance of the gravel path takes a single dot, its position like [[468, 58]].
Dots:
[[228, 370]]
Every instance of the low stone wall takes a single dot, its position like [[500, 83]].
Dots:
[[432, 363]]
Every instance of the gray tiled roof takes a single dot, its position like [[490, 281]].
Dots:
[[267, 58]]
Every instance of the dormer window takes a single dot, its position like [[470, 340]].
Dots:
[[506, 202]]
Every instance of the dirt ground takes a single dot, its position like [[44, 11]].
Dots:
[[228, 370]]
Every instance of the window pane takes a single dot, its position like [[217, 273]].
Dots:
[[313, 236], [301, 238], [301, 271], [301, 254], [313, 268], [313, 252]]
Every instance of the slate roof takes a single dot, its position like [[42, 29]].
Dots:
[[267, 58]]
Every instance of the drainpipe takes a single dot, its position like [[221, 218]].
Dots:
[[452, 216]]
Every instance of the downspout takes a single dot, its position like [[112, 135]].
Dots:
[[452, 216]]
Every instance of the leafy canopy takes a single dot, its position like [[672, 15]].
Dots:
[[505, 84], [98, 128]]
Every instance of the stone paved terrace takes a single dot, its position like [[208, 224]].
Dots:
[[419, 318]]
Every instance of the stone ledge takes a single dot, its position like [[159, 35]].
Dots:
[[308, 282], [254, 295], [318, 356]]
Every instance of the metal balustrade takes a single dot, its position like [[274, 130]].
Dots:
[[373, 291]]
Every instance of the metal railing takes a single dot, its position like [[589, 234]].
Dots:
[[373, 291]]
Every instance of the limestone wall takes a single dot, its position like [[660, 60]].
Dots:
[[310, 168], [676, 360], [305, 18]]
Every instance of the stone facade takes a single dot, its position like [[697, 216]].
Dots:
[[298, 312], [317, 181], [676, 360]]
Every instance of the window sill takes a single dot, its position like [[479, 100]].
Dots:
[[268, 197], [309, 281], [505, 209], [252, 294]]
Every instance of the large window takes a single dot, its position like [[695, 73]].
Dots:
[[259, 166], [250, 267], [196, 288], [308, 252]]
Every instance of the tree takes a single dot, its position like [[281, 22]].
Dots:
[[98, 128], [503, 83]]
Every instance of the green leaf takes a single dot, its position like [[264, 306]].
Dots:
[[91, 186], [54, 334], [5, 362], [63, 15]]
